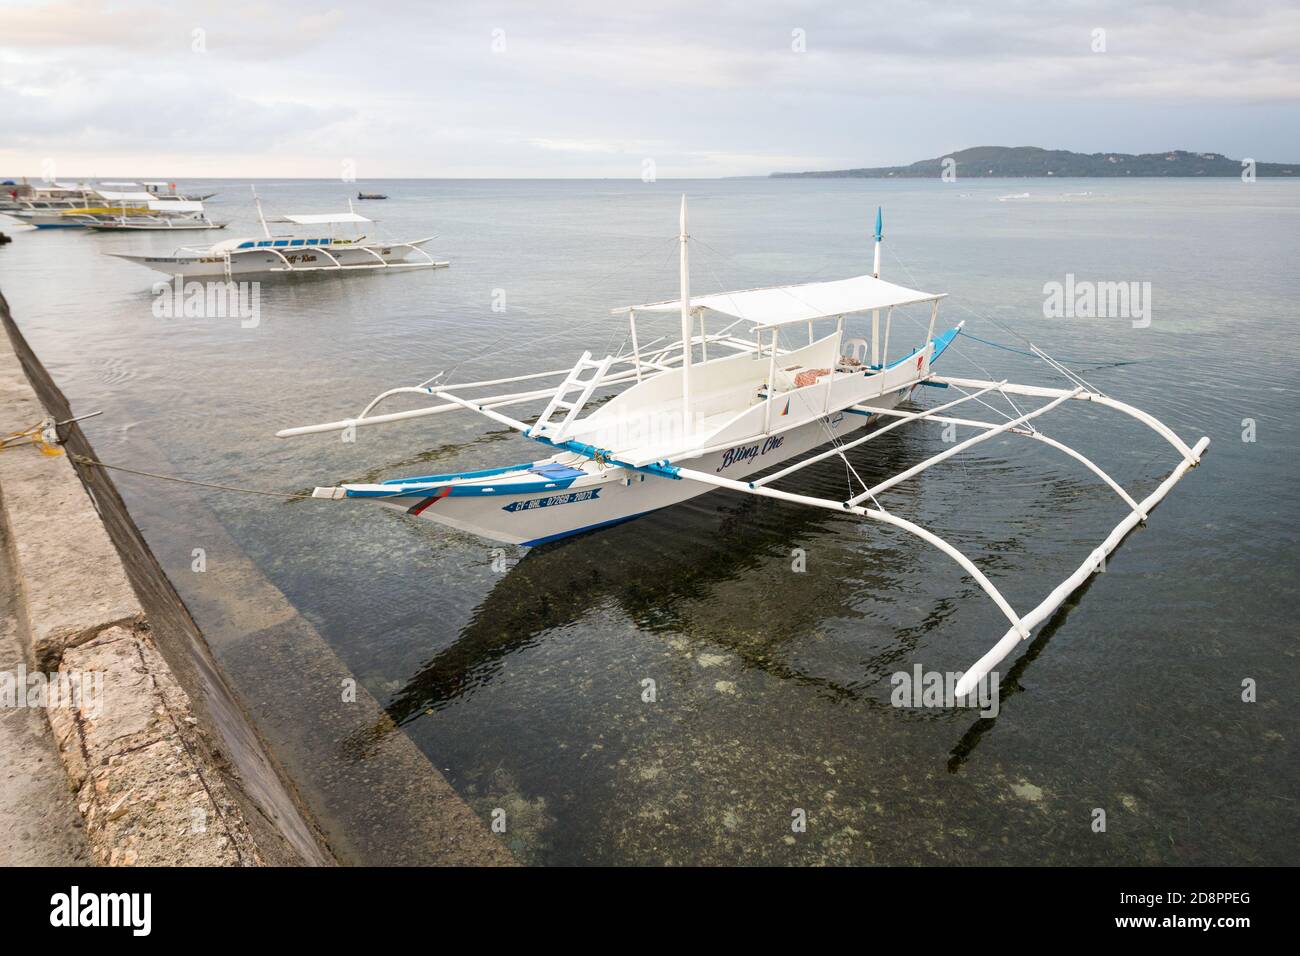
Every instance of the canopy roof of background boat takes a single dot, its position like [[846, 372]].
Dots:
[[113, 196], [329, 217], [786, 304], [175, 205]]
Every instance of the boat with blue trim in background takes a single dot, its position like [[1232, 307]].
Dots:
[[323, 248]]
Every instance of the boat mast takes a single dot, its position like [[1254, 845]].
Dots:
[[875, 313], [261, 218], [686, 321]]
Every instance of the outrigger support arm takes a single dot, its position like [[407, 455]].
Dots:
[[1094, 562], [753, 488], [1159, 427], [1026, 432], [962, 446], [1020, 626], [903, 419]]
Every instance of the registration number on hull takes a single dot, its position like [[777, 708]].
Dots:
[[567, 499]]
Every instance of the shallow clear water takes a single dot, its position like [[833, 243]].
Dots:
[[773, 687]]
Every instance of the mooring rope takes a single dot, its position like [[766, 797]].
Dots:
[[1008, 348], [293, 496], [83, 460]]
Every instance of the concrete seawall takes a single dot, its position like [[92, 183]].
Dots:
[[161, 761], [185, 762]]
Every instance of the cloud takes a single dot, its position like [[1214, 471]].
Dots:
[[176, 30], [77, 113], [507, 87]]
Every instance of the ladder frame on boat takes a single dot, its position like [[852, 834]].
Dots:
[[542, 428]]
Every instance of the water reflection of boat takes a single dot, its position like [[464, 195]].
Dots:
[[643, 570]]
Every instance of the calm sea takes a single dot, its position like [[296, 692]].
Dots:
[[523, 676]]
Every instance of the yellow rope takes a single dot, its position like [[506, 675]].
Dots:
[[32, 436]]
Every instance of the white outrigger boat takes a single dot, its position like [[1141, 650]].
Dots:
[[113, 210], [158, 189], [23, 197], [687, 423], [169, 215], [61, 206], [152, 216], [295, 252]]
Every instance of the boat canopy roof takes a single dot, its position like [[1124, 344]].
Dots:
[[786, 304], [324, 218], [112, 196], [175, 205]]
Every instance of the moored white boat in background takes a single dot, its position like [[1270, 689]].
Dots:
[[21, 199], [296, 252], [114, 209], [158, 216], [157, 189], [24, 197]]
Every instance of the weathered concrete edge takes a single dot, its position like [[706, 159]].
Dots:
[[123, 743], [91, 585], [147, 795]]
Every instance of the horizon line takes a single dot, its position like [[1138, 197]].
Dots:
[[37, 181]]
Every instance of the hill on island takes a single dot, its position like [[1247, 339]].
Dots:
[[1017, 161]]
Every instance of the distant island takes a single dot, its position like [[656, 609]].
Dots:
[[1018, 161]]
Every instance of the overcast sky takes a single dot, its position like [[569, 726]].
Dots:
[[576, 88]]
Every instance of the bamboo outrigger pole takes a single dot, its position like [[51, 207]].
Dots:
[[686, 321], [261, 217], [875, 274]]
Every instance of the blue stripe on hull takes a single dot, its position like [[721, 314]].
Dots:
[[590, 527], [466, 490]]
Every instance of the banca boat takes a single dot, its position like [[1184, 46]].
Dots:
[[293, 252], [714, 409]]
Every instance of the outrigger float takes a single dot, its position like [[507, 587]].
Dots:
[[687, 422]]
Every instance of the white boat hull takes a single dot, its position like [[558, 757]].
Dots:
[[533, 518], [49, 219], [257, 262], [161, 225]]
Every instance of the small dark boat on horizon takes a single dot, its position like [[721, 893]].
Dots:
[[371, 196]]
